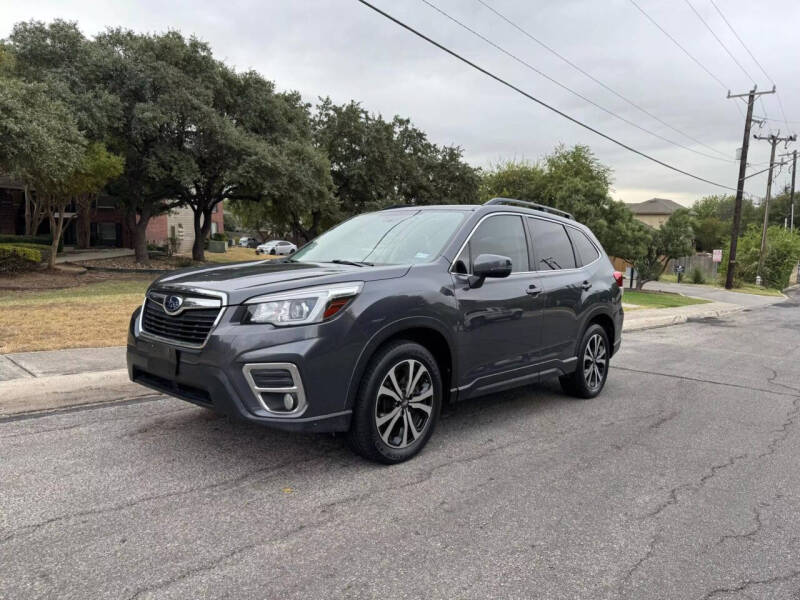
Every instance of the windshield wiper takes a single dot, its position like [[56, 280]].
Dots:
[[340, 261]]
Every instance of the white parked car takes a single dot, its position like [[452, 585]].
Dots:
[[248, 242], [276, 247]]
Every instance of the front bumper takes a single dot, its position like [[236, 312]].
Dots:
[[215, 376]]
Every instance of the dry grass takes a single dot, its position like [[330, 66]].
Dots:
[[90, 313], [93, 315], [235, 253]]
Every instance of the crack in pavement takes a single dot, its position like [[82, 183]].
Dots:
[[711, 381], [748, 535], [224, 484], [672, 497], [651, 547], [747, 583]]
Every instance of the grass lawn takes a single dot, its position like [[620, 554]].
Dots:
[[235, 253], [86, 316], [658, 299]]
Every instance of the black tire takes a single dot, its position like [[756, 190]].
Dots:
[[273, 252], [585, 382], [365, 436]]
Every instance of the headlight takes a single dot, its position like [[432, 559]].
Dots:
[[301, 307]]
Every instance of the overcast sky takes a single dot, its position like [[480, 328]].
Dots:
[[342, 49]]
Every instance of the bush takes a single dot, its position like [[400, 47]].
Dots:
[[219, 237], [782, 254], [22, 257], [39, 240], [697, 276]]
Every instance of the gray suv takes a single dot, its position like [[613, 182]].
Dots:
[[375, 324]]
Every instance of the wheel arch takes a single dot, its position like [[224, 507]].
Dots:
[[428, 332], [605, 321]]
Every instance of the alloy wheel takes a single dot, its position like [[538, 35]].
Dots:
[[595, 362], [404, 403]]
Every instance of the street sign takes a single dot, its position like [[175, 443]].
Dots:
[[716, 256]]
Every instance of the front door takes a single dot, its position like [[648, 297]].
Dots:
[[500, 319]]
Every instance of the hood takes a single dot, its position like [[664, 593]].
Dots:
[[241, 281]]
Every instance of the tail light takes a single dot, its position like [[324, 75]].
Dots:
[[618, 279]]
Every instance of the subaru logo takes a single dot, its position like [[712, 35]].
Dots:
[[173, 303]]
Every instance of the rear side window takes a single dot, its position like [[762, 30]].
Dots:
[[501, 234], [585, 250], [552, 249]]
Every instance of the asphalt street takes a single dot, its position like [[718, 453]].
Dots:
[[679, 481]]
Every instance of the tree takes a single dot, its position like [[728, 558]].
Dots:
[[377, 163], [673, 240], [572, 180], [158, 81], [39, 144], [97, 168], [782, 255]]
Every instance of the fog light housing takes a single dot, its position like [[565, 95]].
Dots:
[[277, 387]]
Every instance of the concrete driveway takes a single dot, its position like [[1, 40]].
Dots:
[[679, 481]]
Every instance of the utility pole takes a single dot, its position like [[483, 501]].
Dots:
[[737, 209], [791, 196], [773, 140]]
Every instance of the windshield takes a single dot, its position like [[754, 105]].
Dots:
[[388, 237]]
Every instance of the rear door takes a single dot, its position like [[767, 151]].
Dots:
[[500, 320], [563, 284]]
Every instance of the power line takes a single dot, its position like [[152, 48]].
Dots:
[[568, 89], [716, 37], [593, 78], [685, 51], [755, 60], [533, 98]]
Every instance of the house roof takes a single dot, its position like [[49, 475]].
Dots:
[[655, 206]]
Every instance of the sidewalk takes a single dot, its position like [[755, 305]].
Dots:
[[54, 379], [92, 254]]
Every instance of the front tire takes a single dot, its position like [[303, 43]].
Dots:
[[590, 375], [398, 404]]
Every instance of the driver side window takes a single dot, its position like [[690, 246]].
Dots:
[[503, 235]]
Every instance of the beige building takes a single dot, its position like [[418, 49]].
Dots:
[[179, 222], [654, 212]]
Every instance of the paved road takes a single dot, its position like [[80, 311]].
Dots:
[[680, 481]]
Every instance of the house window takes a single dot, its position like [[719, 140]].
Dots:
[[105, 202], [214, 228], [107, 232], [180, 231], [172, 233]]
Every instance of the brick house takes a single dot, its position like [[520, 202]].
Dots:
[[106, 222]]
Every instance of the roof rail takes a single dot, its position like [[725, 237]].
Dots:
[[534, 205]]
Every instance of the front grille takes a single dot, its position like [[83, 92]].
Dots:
[[189, 327], [272, 378]]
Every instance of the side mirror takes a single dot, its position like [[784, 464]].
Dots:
[[489, 265]]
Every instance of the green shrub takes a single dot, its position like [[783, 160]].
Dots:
[[696, 276], [22, 257], [782, 254], [220, 237]]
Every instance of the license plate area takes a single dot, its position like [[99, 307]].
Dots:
[[162, 360]]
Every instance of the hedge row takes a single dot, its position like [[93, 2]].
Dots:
[[35, 253], [39, 240]]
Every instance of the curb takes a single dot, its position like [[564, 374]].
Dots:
[[667, 320], [26, 395]]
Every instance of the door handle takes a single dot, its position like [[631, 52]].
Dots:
[[533, 290], [586, 285]]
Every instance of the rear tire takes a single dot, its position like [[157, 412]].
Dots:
[[398, 404], [591, 372]]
